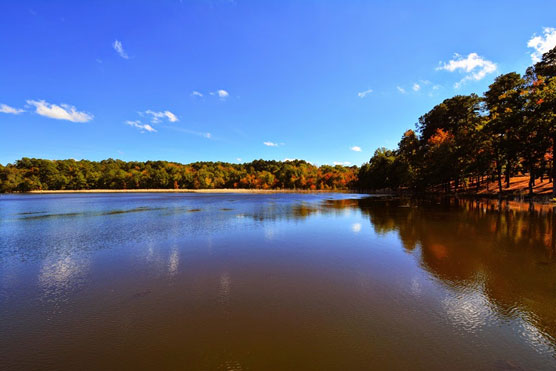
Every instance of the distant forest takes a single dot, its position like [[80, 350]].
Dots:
[[30, 174], [467, 140], [459, 144]]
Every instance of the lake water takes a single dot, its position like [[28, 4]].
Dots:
[[274, 281]]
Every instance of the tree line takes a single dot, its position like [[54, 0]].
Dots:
[[29, 174], [468, 140]]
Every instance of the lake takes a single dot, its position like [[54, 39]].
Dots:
[[275, 281]]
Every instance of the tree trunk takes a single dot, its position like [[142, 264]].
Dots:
[[531, 180], [553, 239], [499, 166], [508, 174], [553, 166]]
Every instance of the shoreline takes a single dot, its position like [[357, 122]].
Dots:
[[507, 195], [158, 190]]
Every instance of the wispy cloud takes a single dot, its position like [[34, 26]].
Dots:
[[143, 127], [270, 144], [343, 163], [220, 93], [60, 112], [4, 108], [474, 66], [188, 131], [416, 87], [400, 89], [356, 148], [118, 47], [156, 117], [542, 44], [363, 94]]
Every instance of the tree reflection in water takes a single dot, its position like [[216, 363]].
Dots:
[[507, 248]]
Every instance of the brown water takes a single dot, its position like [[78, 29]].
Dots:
[[279, 282]]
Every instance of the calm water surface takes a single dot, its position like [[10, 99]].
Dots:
[[279, 281]]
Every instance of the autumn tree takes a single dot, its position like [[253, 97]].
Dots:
[[544, 102]]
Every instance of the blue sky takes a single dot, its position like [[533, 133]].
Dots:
[[221, 80]]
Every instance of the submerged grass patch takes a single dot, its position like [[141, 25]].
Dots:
[[49, 216], [138, 209], [71, 215], [31, 213]]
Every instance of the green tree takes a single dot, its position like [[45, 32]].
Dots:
[[505, 103]]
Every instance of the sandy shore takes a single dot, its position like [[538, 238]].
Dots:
[[222, 190]]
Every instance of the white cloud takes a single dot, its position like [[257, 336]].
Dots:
[[475, 67], [118, 47], [220, 93], [223, 93], [171, 116], [356, 148], [356, 227], [61, 112], [542, 44], [344, 163], [270, 144], [363, 94], [4, 108], [143, 127], [158, 116], [419, 86], [197, 94], [239, 159], [155, 118]]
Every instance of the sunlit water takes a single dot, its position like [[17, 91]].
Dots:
[[274, 281]]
